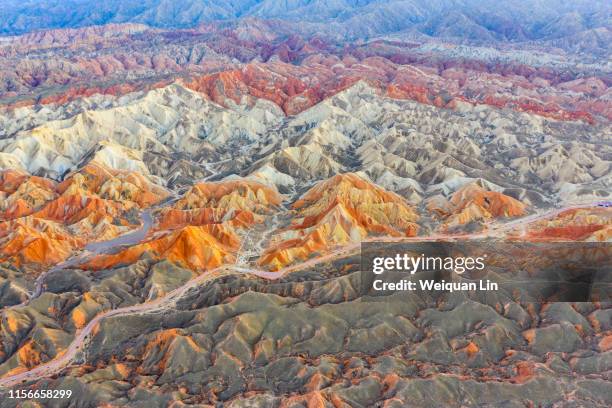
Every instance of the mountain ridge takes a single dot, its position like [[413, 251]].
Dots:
[[511, 21]]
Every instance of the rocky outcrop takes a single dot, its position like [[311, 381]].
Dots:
[[582, 224], [44, 223], [194, 247], [344, 209], [473, 204]]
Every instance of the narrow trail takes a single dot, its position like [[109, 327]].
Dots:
[[67, 357]]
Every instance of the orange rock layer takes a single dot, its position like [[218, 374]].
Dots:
[[494, 203], [194, 247], [344, 209], [31, 240], [22, 194], [43, 223], [473, 203], [297, 87], [593, 224], [200, 231], [171, 218], [114, 185], [231, 195]]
